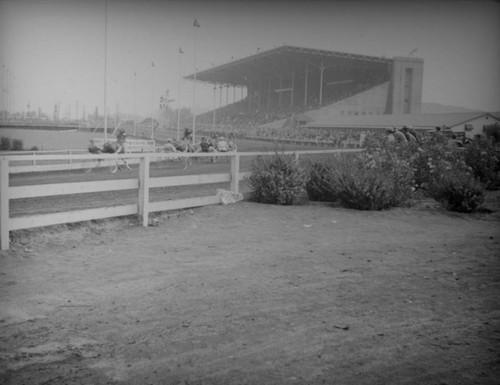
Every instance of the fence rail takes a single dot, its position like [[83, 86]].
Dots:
[[10, 164], [35, 161]]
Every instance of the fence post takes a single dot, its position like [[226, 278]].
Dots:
[[297, 158], [143, 203], [235, 173], [4, 204]]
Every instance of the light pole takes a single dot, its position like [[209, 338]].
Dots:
[[3, 91], [77, 120], [179, 96], [196, 25], [152, 100], [8, 90], [213, 118], [135, 104]]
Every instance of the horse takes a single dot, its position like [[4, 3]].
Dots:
[[118, 147], [186, 145]]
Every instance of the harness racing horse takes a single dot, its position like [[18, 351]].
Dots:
[[186, 145], [118, 147]]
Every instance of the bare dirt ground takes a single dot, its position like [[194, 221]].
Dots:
[[256, 294]]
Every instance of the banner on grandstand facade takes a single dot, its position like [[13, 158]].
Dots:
[[339, 82]]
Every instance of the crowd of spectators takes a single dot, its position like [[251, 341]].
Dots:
[[341, 138]]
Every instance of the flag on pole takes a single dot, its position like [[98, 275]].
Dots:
[[196, 24], [153, 64], [180, 50]]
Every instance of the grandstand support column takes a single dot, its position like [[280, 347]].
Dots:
[[260, 92], [4, 203], [227, 94], [220, 96], [293, 87], [234, 94], [321, 70], [279, 94], [269, 94], [213, 119], [2, 93], [249, 95], [305, 84]]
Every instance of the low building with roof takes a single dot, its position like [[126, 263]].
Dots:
[[468, 124]]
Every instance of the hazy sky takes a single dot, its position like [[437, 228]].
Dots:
[[54, 49]]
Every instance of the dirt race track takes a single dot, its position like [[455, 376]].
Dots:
[[256, 294]]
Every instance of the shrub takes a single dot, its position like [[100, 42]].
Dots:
[[320, 184], [363, 190], [34, 148], [427, 157], [371, 183], [457, 190], [483, 157], [376, 179], [17, 145], [277, 180], [5, 143]]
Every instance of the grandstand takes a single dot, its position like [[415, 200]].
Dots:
[[278, 84]]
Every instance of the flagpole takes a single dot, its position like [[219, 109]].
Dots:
[[196, 26], [105, 71]]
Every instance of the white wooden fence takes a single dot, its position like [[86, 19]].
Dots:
[[11, 164]]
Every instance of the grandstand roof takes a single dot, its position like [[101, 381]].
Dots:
[[423, 121], [282, 59]]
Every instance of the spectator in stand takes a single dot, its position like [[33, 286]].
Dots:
[[362, 137]]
